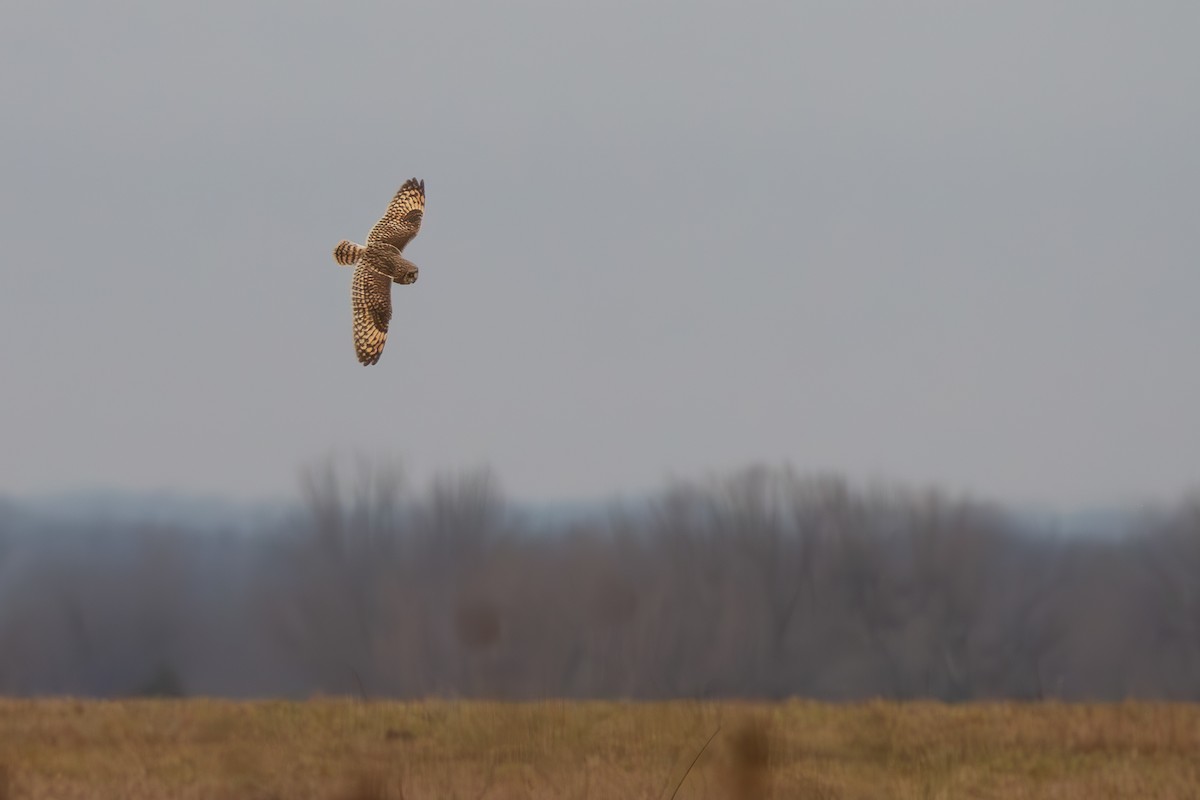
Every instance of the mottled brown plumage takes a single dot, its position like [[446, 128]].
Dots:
[[378, 265]]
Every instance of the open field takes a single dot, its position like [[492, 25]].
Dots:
[[67, 748]]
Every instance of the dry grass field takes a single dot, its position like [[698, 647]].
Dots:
[[66, 748]]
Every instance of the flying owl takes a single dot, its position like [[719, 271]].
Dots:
[[378, 264]]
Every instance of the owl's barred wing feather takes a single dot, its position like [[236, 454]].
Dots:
[[402, 220], [371, 300]]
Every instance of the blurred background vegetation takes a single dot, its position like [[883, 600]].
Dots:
[[758, 584]]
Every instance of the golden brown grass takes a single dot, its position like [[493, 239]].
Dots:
[[349, 750]]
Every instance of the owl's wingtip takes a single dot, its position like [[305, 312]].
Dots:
[[368, 353]]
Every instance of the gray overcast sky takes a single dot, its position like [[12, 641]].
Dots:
[[937, 243]]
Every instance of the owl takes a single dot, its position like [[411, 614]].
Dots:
[[378, 264]]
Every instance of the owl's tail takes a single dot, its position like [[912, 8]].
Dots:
[[348, 253]]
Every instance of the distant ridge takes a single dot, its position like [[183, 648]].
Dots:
[[207, 512], [161, 507]]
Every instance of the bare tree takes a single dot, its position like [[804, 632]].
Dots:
[[760, 583]]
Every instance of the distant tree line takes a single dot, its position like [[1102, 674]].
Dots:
[[759, 584]]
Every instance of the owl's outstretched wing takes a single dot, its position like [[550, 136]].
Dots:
[[402, 220], [371, 300]]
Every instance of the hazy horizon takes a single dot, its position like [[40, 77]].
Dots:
[[760, 584], [934, 245]]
